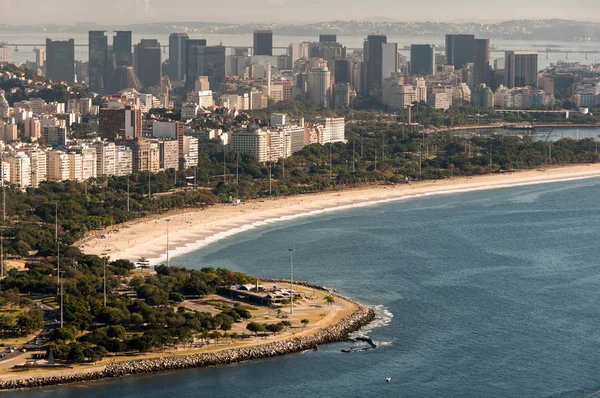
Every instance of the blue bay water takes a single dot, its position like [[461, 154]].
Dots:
[[493, 294]]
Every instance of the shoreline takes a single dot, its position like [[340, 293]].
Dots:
[[337, 332], [194, 229]]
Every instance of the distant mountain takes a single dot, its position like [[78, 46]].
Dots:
[[380, 19], [549, 29]]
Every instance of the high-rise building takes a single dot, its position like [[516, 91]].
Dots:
[[170, 130], [120, 120], [319, 86], [105, 158], [342, 71], [327, 38], [20, 169], [60, 61], [389, 59], [250, 142], [482, 96], [178, 56], [58, 166], [373, 55], [98, 58], [145, 156], [263, 42], [33, 128], [148, 62], [205, 61], [88, 163], [168, 150], [481, 62], [190, 151], [341, 95], [123, 161], [122, 44], [459, 50], [422, 59], [39, 169], [40, 57], [520, 68]]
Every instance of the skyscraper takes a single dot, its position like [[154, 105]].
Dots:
[[148, 63], [373, 54], [178, 55], [319, 85], [459, 50], [98, 58], [263, 42], [327, 38], [60, 60], [122, 43], [481, 61], [342, 71], [389, 59], [207, 61], [520, 68], [422, 59]]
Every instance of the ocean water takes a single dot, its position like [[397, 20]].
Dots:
[[479, 294]]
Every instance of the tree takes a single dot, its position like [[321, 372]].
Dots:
[[64, 334], [215, 335], [329, 300], [275, 327], [116, 331], [255, 327], [304, 322]]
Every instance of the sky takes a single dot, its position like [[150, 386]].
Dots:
[[16, 12]]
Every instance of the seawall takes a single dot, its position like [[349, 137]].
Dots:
[[334, 333]]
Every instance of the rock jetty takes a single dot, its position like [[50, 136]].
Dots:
[[334, 333]]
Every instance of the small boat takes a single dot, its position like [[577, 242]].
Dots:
[[387, 380]]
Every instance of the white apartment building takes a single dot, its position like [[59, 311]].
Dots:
[[105, 158], [190, 151], [319, 86], [4, 107], [123, 161], [439, 100], [20, 169], [169, 158], [39, 166], [88, 163], [251, 143], [334, 129], [5, 171]]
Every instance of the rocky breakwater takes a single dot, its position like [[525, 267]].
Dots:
[[338, 332]]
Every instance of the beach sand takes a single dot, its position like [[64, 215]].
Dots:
[[192, 230]]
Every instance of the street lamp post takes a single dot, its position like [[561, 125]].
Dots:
[[291, 280], [168, 262], [62, 294], [105, 281]]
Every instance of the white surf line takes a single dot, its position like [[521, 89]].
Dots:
[[204, 242]]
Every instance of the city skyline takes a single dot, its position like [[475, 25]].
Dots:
[[135, 11]]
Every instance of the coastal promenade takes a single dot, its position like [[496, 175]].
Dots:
[[348, 317], [191, 230]]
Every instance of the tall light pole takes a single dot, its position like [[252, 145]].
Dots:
[[62, 302], [330, 171], [56, 221], [58, 264], [270, 187], [1, 256], [291, 280], [149, 184], [105, 281], [3, 189], [127, 194], [168, 263]]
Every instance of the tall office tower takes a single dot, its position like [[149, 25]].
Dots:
[[319, 84], [40, 57], [389, 59], [327, 38], [122, 43], [459, 50], [372, 55], [177, 55], [342, 71], [205, 61], [520, 68], [60, 60], [120, 120], [481, 62], [422, 59], [148, 62], [263, 42], [98, 58]]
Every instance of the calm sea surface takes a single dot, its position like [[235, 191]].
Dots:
[[480, 294], [351, 42]]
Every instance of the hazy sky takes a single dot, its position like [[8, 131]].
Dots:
[[288, 11]]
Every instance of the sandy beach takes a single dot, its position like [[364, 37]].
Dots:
[[192, 230]]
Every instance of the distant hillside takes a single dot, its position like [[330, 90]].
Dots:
[[550, 29]]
